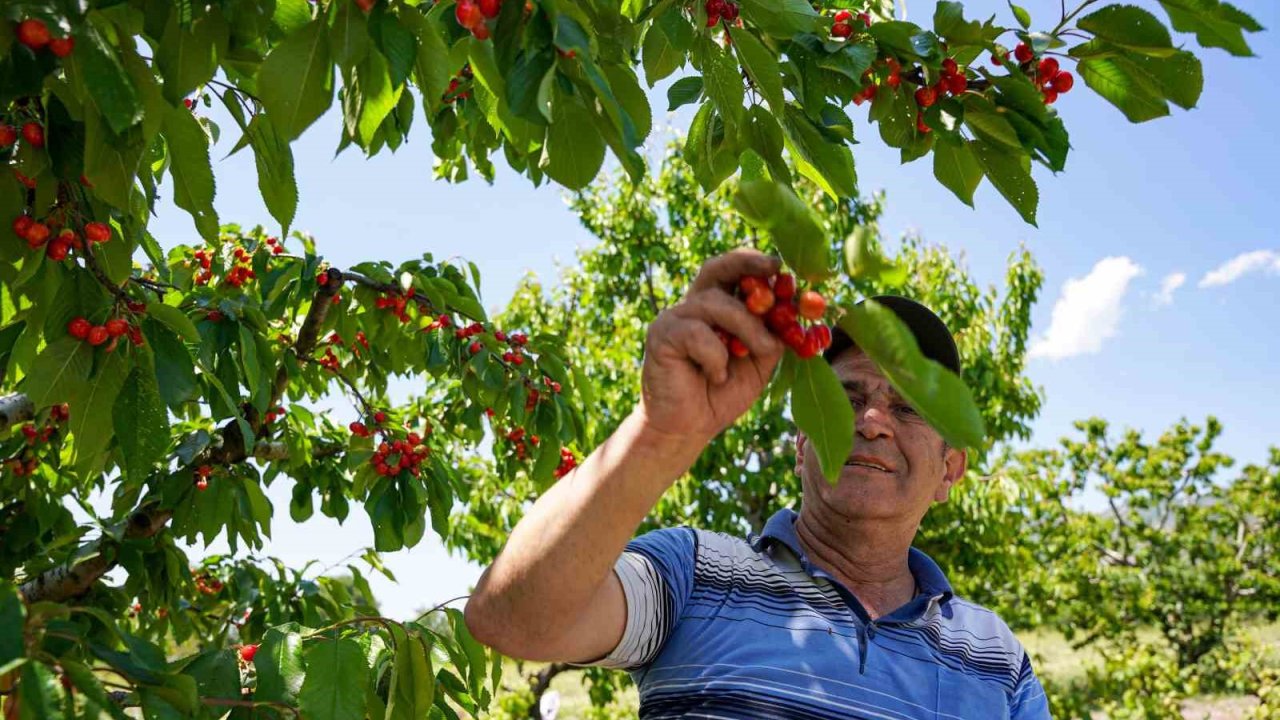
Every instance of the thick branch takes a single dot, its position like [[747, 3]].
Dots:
[[309, 333], [540, 682], [14, 409]]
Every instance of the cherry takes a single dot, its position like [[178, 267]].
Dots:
[[949, 66], [793, 335], [366, 5], [490, 8], [808, 347], [379, 417], [358, 429], [8, 135], [957, 84], [58, 250], [21, 225], [97, 232], [247, 652], [715, 7], [480, 31], [730, 11], [78, 328], [33, 33], [921, 126], [97, 335], [780, 316], [37, 233], [62, 47], [841, 30], [33, 134], [1050, 96], [117, 327], [784, 287], [995, 60], [202, 484], [842, 16], [475, 346], [865, 18], [737, 348], [926, 96], [1047, 69], [1022, 53], [811, 305], [1063, 82], [468, 14], [759, 302]]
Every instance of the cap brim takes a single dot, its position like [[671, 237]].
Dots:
[[931, 334]]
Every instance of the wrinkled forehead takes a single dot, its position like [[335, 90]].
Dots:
[[854, 367]]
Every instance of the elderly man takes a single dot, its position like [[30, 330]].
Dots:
[[829, 613]]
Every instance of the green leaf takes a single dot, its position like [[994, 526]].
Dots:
[[949, 22], [938, 394], [665, 45], [631, 97], [894, 110], [864, 262], [87, 683], [772, 206], [761, 65], [186, 54], [1010, 176], [334, 684], [38, 693], [413, 687], [1179, 76], [13, 622], [274, 159], [175, 319], [107, 85], [110, 162], [1128, 26], [175, 373], [851, 60], [376, 97], [1021, 15], [141, 424], [398, 47], [193, 185], [90, 409], [722, 81], [431, 61], [1216, 24], [1124, 85], [990, 125], [574, 149], [763, 135], [829, 163], [60, 371], [217, 674], [348, 34], [295, 82], [780, 18], [116, 259], [684, 91], [955, 166], [823, 413], [289, 15], [279, 666]]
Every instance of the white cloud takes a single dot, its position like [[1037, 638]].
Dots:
[[1241, 265], [1088, 311], [1171, 282]]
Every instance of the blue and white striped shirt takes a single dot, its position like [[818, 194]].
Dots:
[[721, 627]]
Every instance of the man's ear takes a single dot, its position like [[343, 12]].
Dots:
[[955, 461]]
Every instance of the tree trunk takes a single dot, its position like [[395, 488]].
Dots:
[[540, 682]]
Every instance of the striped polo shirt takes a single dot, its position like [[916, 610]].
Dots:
[[721, 627]]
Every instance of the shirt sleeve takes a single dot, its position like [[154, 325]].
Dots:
[[656, 572], [1028, 701]]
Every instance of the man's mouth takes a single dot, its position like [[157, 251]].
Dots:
[[867, 462]]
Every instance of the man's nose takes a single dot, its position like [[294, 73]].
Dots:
[[873, 422]]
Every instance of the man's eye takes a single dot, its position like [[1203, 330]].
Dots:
[[908, 410]]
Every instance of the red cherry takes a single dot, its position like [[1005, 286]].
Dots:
[[926, 96], [475, 347], [1047, 69], [1050, 96], [116, 327], [62, 47], [808, 347], [366, 5], [793, 336], [751, 283], [715, 7], [957, 84], [21, 225], [379, 417], [33, 33], [737, 348], [37, 233], [921, 126], [1022, 53], [995, 60], [865, 18], [33, 134], [1063, 82], [490, 8], [780, 316], [759, 302], [730, 11], [712, 19], [823, 333], [98, 335], [57, 250], [97, 232], [842, 16], [784, 286], [468, 14], [358, 429], [949, 66], [79, 328], [811, 305], [480, 31], [841, 30], [247, 652], [8, 135]]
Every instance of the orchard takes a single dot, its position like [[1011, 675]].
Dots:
[[181, 382]]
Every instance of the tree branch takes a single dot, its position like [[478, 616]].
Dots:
[[14, 409]]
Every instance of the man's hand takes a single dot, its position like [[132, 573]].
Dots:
[[691, 386]]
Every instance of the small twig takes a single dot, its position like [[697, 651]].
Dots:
[[224, 702], [441, 606], [385, 622], [1068, 18], [91, 262]]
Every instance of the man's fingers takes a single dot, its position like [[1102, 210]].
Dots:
[[724, 270], [717, 307], [698, 341]]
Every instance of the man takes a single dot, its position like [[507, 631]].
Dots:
[[829, 613]]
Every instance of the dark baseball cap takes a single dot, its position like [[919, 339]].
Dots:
[[932, 335]]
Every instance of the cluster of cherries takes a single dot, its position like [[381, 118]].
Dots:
[[32, 133], [359, 429], [475, 14], [207, 585], [58, 414], [718, 10], [842, 23], [273, 414], [33, 33], [38, 234], [451, 93], [517, 341], [775, 299], [396, 304], [397, 456], [1046, 74], [360, 341], [81, 329], [241, 270]]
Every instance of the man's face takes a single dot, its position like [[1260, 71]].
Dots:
[[899, 465]]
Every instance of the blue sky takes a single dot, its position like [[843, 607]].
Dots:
[[1183, 194]]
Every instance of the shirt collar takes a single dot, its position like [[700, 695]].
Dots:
[[781, 528]]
